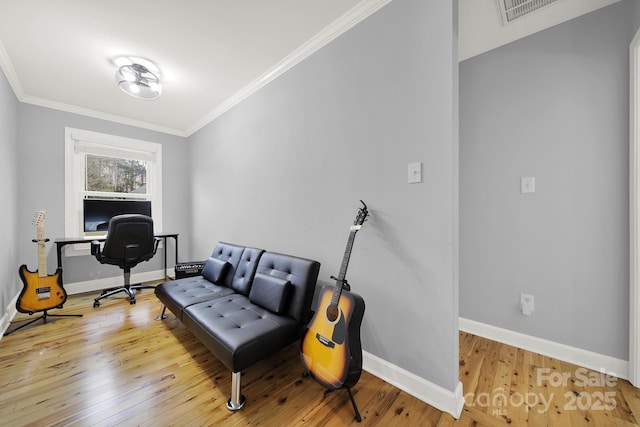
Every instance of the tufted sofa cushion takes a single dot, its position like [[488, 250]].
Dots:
[[246, 269], [230, 253], [238, 332], [181, 293]]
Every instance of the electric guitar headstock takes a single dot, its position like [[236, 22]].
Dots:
[[38, 218], [361, 217], [38, 221]]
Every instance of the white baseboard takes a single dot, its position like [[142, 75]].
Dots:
[[440, 398], [10, 312], [577, 356], [110, 282]]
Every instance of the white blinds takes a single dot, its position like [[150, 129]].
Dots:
[[82, 146]]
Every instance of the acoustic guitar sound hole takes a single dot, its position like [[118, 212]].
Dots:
[[332, 312]]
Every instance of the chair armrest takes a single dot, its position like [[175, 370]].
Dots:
[[95, 249]]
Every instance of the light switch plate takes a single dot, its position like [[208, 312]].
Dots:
[[415, 172]]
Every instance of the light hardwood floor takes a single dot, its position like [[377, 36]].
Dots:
[[118, 366]]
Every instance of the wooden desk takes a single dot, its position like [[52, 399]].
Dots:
[[63, 241]]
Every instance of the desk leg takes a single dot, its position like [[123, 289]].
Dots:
[[166, 248], [59, 253], [176, 239], [59, 256]]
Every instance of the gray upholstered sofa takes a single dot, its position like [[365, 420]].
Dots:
[[247, 304]]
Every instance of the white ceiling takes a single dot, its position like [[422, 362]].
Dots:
[[211, 53]]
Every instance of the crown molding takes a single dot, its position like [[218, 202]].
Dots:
[[341, 25], [10, 73], [41, 102]]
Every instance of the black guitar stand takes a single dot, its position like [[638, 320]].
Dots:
[[44, 316], [358, 418]]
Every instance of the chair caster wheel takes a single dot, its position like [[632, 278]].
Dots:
[[96, 304], [132, 301]]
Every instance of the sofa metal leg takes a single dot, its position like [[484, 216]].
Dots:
[[162, 315], [237, 400]]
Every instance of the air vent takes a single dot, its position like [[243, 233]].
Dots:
[[511, 10]]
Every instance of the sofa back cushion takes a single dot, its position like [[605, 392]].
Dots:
[[230, 253], [246, 270], [302, 275], [270, 292]]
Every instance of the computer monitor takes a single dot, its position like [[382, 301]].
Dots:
[[98, 212]]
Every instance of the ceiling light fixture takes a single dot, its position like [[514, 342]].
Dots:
[[136, 80]]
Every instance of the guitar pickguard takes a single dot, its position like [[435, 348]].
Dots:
[[339, 330]]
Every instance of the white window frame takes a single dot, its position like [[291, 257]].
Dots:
[[79, 142]]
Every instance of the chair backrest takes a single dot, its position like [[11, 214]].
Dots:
[[130, 240]]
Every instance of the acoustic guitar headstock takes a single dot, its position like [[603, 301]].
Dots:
[[361, 217]]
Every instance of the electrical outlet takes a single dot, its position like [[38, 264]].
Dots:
[[528, 184], [526, 304]]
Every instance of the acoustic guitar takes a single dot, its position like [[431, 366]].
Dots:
[[330, 350], [40, 291]]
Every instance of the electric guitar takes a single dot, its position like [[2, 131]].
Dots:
[[330, 350], [40, 291]]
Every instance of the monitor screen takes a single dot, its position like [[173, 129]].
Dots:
[[98, 212]]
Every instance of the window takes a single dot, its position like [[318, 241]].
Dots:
[[109, 167], [106, 176]]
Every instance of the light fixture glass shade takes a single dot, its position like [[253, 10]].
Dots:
[[137, 81]]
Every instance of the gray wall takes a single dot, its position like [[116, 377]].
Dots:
[[284, 171], [41, 186], [553, 106], [9, 281]]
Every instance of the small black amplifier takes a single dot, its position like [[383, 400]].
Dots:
[[189, 269]]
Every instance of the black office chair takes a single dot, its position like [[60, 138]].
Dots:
[[129, 241]]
